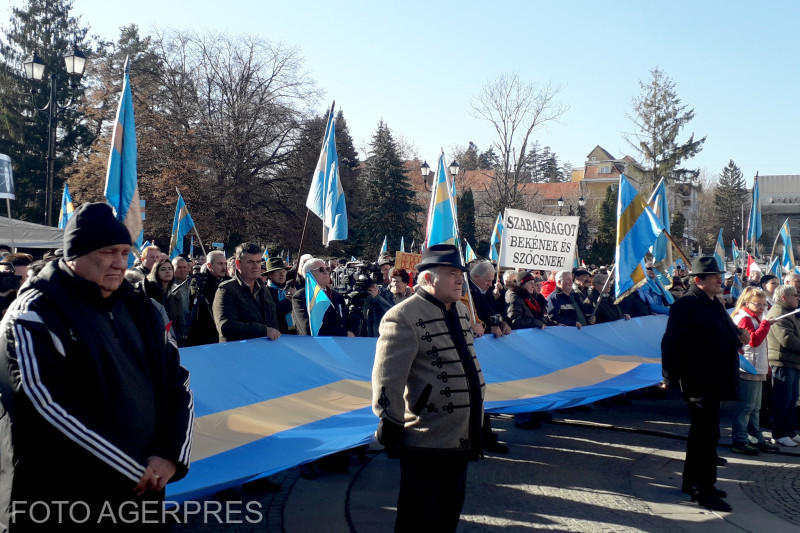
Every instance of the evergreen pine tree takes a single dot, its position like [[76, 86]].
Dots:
[[466, 216], [389, 201], [677, 225], [659, 117], [604, 245], [46, 27], [729, 196], [488, 160], [469, 159]]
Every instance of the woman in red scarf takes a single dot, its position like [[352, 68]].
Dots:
[[526, 307]]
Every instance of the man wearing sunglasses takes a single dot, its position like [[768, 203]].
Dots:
[[337, 321]]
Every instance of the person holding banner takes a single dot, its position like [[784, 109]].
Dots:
[[243, 306], [486, 299], [699, 353], [748, 314], [427, 390], [564, 308], [337, 321], [526, 308]]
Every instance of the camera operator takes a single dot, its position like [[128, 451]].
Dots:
[[9, 283], [377, 302]]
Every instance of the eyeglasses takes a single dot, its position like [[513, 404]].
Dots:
[[323, 270]]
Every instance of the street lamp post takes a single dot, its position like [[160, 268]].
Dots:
[[425, 170], [75, 63]]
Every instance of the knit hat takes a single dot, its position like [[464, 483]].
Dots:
[[92, 227], [526, 278]]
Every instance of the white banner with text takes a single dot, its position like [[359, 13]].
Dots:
[[534, 241]]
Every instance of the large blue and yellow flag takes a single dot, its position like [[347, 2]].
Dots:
[[469, 253], [182, 224], [312, 396], [122, 187], [719, 251], [265, 255], [441, 213], [317, 302], [662, 249], [754, 224], [326, 196], [497, 236], [67, 208], [637, 230], [787, 258]]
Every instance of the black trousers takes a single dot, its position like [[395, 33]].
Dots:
[[700, 467], [432, 487]]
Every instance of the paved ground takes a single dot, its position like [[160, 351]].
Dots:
[[612, 468]]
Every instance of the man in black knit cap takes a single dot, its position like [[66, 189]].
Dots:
[[96, 409]]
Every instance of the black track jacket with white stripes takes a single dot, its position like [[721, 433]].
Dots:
[[90, 389]]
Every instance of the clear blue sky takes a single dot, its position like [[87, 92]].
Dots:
[[417, 65]]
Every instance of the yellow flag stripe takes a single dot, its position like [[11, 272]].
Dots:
[[629, 217], [220, 432]]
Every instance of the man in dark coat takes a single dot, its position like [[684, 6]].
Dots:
[[281, 293], [488, 298], [202, 290], [243, 306], [606, 310], [699, 353], [96, 408]]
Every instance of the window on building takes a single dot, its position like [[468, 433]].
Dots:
[[687, 203], [605, 170]]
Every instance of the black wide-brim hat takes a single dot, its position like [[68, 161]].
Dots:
[[705, 265], [441, 255], [275, 263]]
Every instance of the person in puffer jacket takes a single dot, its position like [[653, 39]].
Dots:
[[748, 314]]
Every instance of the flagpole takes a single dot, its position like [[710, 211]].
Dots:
[[774, 244], [458, 239], [303, 235], [10, 223], [603, 290]]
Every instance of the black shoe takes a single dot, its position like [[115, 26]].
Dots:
[[496, 447], [693, 490], [744, 448], [768, 447], [528, 424], [712, 500], [721, 461]]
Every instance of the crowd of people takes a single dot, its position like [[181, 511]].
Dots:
[[203, 300]]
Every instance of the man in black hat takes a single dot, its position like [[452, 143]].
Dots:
[[699, 353], [281, 293], [427, 389], [95, 405]]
